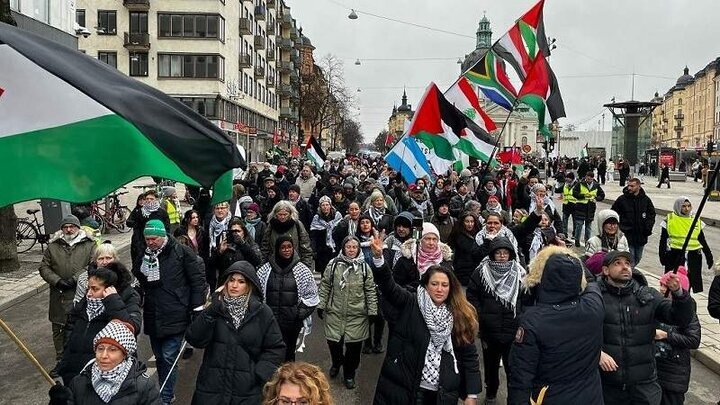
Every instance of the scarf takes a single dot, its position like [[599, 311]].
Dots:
[[497, 208], [94, 308], [216, 227], [536, 244], [490, 191], [150, 266], [149, 208], [304, 279], [80, 235], [610, 242], [504, 231], [439, 321], [376, 214], [427, 259], [502, 279], [108, 383], [320, 223], [547, 202], [250, 226], [352, 264], [352, 226], [237, 307]]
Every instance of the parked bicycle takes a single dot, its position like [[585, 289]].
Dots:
[[28, 232], [110, 213]]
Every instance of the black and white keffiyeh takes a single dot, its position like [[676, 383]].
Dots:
[[150, 266], [352, 264], [319, 224], [149, 208], [504, 231], [502, 279], [94, 308], [306, 285], [376, 214], [237, 307], [108, 383], [439, 321], [216, 227]]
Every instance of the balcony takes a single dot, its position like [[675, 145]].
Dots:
[[679, 116], [271, 29], [137, 41], [269, 82], [286, 112], [270, 54], [286, 66], [678, 127], [259, 72], [259, 42], [286, 43], [284, 90], [293, 33], [245, 60], [287, 20], [270, 3], [246, 26], [137, 5], [260, 13]]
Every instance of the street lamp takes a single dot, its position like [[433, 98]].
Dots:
[[357, 62], [353, 15]]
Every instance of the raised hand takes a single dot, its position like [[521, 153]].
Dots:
[[376, 244]]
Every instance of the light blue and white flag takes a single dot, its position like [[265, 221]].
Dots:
[[407, 158]]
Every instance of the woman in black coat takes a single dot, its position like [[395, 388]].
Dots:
[[467, 253], [417, 257], [428, 361], [242, 341], [148, 207], [238, 245], [110, 296]]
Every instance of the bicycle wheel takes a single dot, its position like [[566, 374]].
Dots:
[[119, 217], [25, 236]]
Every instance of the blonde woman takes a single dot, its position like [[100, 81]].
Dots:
[[297, 383], [103, 255]]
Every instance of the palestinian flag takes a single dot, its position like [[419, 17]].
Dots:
[[541, 93], [75, 129], [462, 94], [314, 152], [490, 75], [524, 41], [442, 128]]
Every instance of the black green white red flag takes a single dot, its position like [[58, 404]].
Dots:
[[314, 152], [74, 128], [541, 93]]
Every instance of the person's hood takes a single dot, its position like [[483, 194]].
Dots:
[[245, 199], [603, 216], [677, 206], [558, 274], [248, 271], [403, 216], [502, 242], [408, 250]]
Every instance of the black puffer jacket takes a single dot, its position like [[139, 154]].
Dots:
[[672, 355], [125, 306], [236, 362], [631, 314], [137, 222], [247, 250], [170, 300], [137, 389], [637, 216], [407, 344], [281, 294], [466, 256]]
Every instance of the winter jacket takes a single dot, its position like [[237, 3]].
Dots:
[[498, 322], [305, 212], [80, 332], [407, 344], [341, 231], [306, 186], [62, 261], [259, 231], [405, 271], [672, 355], [466, 257], [584, 208], [457, 204], [347, 308], [248, 250], [596, 243], [558, 341], [137, 389], [631, 314], [483, 195], [384, 224], [444, 225], [637, 216], [137, 222], [200, 237], [236, 362], [281, 294], [714, 297], [181, 288], [297, 231]]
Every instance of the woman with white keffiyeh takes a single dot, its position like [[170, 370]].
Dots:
[[431, 355], [495, 292], [114, 376], [109, 295], [347, 302], [321, 230]]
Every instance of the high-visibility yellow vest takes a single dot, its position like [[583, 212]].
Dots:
[[586, 191], [172, 212], [678, 228], [568, 197]]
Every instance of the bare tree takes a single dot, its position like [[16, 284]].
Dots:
[[351, 135]]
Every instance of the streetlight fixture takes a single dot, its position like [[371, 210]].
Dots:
[[359, 90], [357, 62], [353, 15]]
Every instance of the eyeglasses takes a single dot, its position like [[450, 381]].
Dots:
[[288, 401]]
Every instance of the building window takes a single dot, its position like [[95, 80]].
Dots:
[[108, 57], [191, 26], [107, 22], [191, 66], [80, 18], [138, 64], [203, 106], [138, 23], [524, 141]]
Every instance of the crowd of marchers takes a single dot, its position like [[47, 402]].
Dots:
[[529, 272]]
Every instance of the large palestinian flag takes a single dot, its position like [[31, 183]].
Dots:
[[74, 129]]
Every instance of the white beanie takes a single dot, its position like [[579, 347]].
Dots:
[[429, 228]]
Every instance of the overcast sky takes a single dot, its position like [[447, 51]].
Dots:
[[608, 38]]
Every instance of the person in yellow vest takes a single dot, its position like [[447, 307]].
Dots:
[[171, 204], [568, 205], [675, 228], [586, 193]]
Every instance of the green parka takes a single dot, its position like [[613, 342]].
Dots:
[[62, 261], [347, 309]]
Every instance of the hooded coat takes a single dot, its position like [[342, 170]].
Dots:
[[137, 389], [467, 253], [558, 341], [637, 216], [236, 362], [293, 228], [596, 243]]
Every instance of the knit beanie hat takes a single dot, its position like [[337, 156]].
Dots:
[[154, 227], [70, 220], [253, 207], [682, 275], [429, 228], [118, 334], [324, 199]]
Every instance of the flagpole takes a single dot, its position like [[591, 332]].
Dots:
[[497, 141]]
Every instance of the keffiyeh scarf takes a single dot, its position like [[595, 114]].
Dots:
[[108, 383], [427, 259], [439, 321], [322, 224], [237, 307], [547, 202], [353, 264], [149, 208], [216, 227], [94, 308], [504, 232], [150, 266], [536, 244], [502, 279], [304, 279], [376, 214]]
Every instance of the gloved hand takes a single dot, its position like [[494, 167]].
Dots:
[[65, 284], [59, 394], [214, 310], [321, 313]]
